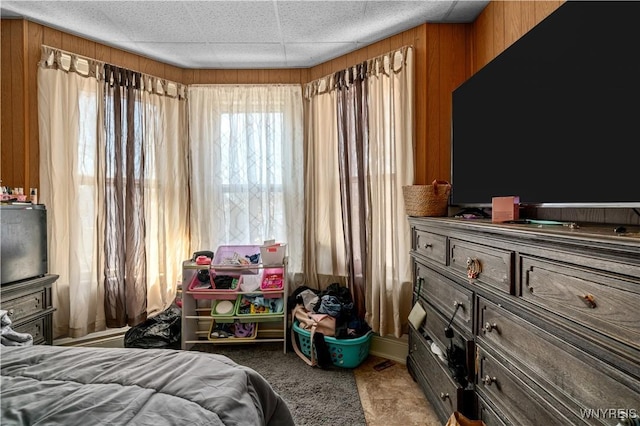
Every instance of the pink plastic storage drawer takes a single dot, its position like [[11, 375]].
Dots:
[[272, 279], [236, 257], [200, 291]]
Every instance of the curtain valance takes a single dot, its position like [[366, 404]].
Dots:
[[389, 63], [54, 58]]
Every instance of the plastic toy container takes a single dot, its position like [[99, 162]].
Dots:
[[236, 258], [200, 291], [234, 332], [222, 310], [259, 307], [346, 353], [272, 280]]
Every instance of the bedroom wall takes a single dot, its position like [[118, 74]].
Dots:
[[445, 56]]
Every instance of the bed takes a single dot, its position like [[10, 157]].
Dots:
[[117, 386]]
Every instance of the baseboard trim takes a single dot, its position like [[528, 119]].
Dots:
[[390, 348], [101, 338]]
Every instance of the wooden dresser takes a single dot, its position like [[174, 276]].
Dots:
[[544, 321], [29, 306]]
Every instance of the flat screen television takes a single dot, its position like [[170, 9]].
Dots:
[[555, 118]]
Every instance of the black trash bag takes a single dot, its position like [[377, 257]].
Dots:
[[160, 332]]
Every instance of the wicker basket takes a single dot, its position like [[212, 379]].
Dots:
[[427, 200]]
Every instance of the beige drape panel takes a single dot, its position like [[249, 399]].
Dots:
[[391, 141], [325, 260], [390, 85], [72, 175]]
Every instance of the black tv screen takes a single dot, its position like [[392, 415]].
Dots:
[[555, 118]]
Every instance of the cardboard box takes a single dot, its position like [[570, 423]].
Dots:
[[504, 209]]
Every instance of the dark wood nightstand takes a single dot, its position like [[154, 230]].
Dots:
[[29, 306]]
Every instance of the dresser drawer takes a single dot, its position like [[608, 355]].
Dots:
[[444, 394], [24, 306], [35, 328], [430, 245], [494, 266], [488, 415], [515, 399], [608, 303], [445, 295], [459, 345], [568, 373]]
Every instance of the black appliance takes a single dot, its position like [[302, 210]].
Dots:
[[23, 241]]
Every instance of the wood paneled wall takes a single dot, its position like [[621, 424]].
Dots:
[[502, 23], [228, 76], [445, 56]]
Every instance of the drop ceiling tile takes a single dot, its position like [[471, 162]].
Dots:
[[310, 54], [384, 19], [320, 21], [236, 21], [253, 55], [148, 21]]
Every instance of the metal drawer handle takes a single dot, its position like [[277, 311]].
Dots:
[[426, 245], [488, 380], [589, 300], [457, 304], [473, 268], [488, 327], [444, 396]]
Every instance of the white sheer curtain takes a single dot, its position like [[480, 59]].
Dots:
[[391, 166], [68, 111], [246, 144], [72, 175]]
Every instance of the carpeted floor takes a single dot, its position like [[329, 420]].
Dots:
[[314, 396]]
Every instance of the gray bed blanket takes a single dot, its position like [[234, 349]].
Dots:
[[52, 385]]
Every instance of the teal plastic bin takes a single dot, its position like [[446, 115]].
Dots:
[[345, 353]]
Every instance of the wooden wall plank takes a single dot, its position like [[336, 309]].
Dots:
[[528, 15], [512, 22], [433, 99], [420, 105], [483, 35], [17, 103], [498, 29], [78, 45], [173, 73], [52, 37], [6, 108], [542, 9], [151, 67], [33, 54]]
